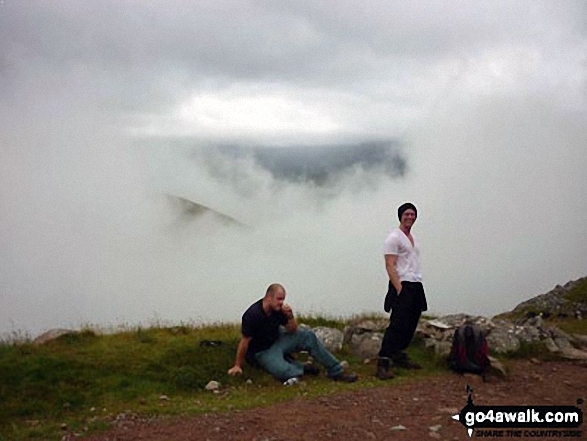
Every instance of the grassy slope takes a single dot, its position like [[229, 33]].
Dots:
[[84, 380]]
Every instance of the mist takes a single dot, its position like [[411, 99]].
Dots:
[[155, 169]]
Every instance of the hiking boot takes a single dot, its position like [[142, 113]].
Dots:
[[402, 360], [345, 378], [310, 369], [383, 372]]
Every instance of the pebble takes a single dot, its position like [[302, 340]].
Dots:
[[435, 428], [400, 427], [449, 410], [213, 385], [164, 398]]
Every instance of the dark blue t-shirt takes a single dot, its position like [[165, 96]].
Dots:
[[262, 328]]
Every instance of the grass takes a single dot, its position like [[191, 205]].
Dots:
[[83, 381]]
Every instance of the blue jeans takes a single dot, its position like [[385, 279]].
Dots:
[[273, 359]]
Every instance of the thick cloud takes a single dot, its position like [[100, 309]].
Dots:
[[139, 138]]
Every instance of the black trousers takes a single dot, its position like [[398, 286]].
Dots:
[[405, 313]]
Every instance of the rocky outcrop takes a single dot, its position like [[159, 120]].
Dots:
[[503, 336], [51, 335], [558, 302], [330, 337]]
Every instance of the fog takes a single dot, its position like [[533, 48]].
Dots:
[[164, 163]]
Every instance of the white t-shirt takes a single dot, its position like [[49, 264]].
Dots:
[[408, 256]]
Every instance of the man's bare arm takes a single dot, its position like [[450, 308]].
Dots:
[[241, 352], [390, 261]]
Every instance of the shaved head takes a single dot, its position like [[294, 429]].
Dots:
[[273, 289]]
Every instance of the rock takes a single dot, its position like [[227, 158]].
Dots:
[[164, 398], [528, 333], [51, 335], [442, 347], [213, 385], [581, 340], [364, 327], [366, 345], [397, 428], [574, 354], [249, 381], [562, 343], [367, 326], [330, 337], [551, 345], [435, 428], [439, 325], [502, 339]]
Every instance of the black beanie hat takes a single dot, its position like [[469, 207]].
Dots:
[[404, 207]]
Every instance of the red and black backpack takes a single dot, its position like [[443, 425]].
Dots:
[[469, 351]]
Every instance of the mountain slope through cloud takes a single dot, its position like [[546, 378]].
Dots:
[[168, 162]]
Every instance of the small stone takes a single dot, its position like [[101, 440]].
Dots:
[[344, 364], [63, 426], [164, 398], [449, 410], [213, 385], [535, 361], [249, 381], [435, 428], [400, 427], [434, 435], [366, 361]]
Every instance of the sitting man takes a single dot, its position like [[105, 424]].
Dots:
[[263, 343]]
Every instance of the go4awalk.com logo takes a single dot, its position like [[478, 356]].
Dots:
[[520, 421]]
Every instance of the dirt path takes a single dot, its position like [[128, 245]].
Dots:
[[375, 414]]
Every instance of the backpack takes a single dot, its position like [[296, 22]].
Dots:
[[469, 351]]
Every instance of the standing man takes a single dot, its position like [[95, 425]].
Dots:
[[263, 343], [405, 295]]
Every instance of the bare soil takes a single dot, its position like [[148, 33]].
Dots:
[[423, 408]]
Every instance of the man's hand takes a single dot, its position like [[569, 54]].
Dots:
[[286, 309], [235, 370]]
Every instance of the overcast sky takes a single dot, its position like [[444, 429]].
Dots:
[[112, 110]]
